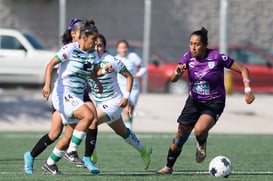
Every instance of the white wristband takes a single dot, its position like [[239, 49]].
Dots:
[[247, 89], [126, 95]]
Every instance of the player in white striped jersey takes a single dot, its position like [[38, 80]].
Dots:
[[76, 62], [71, 34], [133, 63], [111, 101]]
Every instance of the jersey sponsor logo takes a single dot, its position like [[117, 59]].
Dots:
[[201, 87], [200, 74], [87, 66]]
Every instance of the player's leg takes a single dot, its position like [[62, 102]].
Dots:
[[91, 137], [59, 150], [128, 121], [130, 138], [46, 140], [176, 146], [90, 142], [85, 117], [210, 114], [128, 112]]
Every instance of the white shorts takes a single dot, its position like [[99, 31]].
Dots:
[[133, 96], [66, 103], [111, 109]]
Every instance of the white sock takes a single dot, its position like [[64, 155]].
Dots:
[[133, 141], [75, 140], [55, 156]]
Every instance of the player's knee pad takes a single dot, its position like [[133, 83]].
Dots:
[[182, 140]]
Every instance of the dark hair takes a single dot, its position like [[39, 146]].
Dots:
[[122, 41], [74, 24], [100, 36], [203, 33], [89, 28]]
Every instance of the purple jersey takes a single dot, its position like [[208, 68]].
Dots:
[[207, 76]]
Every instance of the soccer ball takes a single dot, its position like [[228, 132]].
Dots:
[[220, 166]]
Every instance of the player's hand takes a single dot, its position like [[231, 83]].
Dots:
[[123, 102], [108, 68], [46, 92], [180, 68], [249, 98]]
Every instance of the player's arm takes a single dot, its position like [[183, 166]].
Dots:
[[141, 72], [129, 83], [94, 77], [48, 77], [179, 70], [236, 66]]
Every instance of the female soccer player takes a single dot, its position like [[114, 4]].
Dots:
[[71, 35], [111, 101], [207, 95], [77, 61], [133, 63]]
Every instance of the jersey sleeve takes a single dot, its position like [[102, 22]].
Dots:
[[65, 52], [134, 57], [117, 64], [226, 60], [185, 58]]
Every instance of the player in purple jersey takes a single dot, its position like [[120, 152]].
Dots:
[[206, 100]]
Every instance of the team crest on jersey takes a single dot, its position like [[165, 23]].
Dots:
[[65, 56], [211, 65]]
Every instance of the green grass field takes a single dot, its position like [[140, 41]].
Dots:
[[251, 156]]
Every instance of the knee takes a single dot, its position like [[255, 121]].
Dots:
[[53, 136], [89, 116], [199, 132], [179, 141]]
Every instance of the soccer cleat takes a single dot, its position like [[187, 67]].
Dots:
[[200, 153], [51, 169], [165, 170], [146, 155], [94, 157], [91, 167], [74, 158], [28, 163]]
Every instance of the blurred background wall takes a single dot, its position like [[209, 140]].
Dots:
[[172, 21]]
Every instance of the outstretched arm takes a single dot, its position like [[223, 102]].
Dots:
[[48, 77], [249, 96], [129, 84], [179, 70]]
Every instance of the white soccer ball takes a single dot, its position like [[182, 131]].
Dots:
[[220, 166]]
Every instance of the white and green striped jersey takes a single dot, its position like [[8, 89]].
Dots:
[[75, 68], [108, 80]]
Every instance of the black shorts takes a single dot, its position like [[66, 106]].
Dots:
[[194, 109]]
